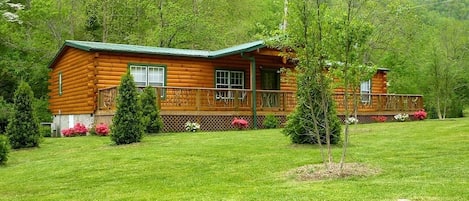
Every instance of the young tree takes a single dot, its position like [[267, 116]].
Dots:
[[315, 119], [151, 118], [23, 127], [126, 124]]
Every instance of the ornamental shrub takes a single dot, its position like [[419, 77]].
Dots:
[[379, 118], [4, 149], [191, 126], [271, 121], [102, 129], [401, 117], [420, 115], [299, 126], [23, 127], [127, 124], [239, 123], [68, 132], [78, 130], [151, 118]]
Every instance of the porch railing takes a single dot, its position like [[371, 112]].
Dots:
[[216, 99]]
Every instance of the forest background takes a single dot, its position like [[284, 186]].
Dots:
[[424, 43]]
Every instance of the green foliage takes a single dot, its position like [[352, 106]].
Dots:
[[41, 109], [23, 127], [300, 128], [151, 118], [5, 113], [126, 124], [45, 131], [4, 149], [7, 84], [271, 121], [311, 37]]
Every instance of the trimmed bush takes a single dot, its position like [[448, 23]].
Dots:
[[271, 121], [127, 124], [150, 113], [23, 127], [4, 149], [299, 126]]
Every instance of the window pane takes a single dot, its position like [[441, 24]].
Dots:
[[222, 79], [156, 76], [139, 74]]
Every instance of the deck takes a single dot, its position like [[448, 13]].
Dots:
[[187, 100]]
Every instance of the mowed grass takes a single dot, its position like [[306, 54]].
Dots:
[[425, 160]]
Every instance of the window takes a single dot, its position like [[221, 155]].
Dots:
[[147, 75], [365, 91], [60, 83], [226, 79]]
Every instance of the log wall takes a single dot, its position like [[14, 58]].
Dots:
[[78, 90]]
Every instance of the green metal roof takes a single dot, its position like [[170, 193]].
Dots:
[[138, 49]]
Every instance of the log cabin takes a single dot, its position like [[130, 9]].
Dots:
[[246, 81]]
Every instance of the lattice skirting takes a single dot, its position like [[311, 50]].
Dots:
[[175, 123]]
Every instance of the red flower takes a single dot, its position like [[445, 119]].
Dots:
[[102, 129], [420, 115], [239, 123]]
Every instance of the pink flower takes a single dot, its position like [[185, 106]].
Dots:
[[420, 115], [239, 123], [80, 129], [68, 132], [102, 129]]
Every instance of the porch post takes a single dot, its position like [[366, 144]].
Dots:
[[253, 88]]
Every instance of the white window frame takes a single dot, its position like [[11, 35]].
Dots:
[[146, 77], [234, 80], [365, 91], [60, 84]]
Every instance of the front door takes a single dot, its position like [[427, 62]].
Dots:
[[270, 80]]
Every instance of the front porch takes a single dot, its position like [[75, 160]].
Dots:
[[214, 108]]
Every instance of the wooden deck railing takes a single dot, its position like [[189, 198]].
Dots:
[[214, 99]]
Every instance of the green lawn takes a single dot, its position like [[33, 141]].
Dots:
[[427, 160]]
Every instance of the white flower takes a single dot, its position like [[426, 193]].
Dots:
[[401, 117], [351, 120], [191, 127]]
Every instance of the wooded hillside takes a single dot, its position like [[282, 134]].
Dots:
[[424, 43]]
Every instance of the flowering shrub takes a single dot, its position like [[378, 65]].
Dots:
[[192, 126], [379, 118], [351, 120], [239, 123], [102, 129], [401, 117], [68, 132], [78, 129], [420, 115]]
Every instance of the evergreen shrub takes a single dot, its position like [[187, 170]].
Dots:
[[271, 121], [127, 124], [151, 118], [23, 127]]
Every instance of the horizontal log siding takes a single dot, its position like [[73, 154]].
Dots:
[[182, 71], [78, 94]]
